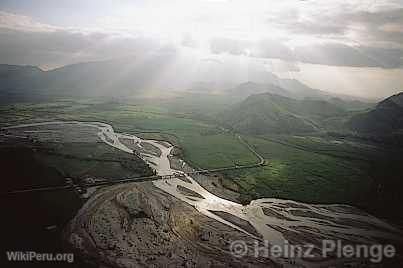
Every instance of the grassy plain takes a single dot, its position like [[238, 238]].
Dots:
[[92, 160], [302, 174], [326, 166], [204, 145], [306, 168]]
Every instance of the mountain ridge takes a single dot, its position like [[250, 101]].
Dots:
[[271, 113], [385, 117], [131, 76]]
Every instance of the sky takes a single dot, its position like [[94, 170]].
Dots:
[[352, 47]]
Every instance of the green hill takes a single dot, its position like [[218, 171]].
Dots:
[[244, 90], [270, 113], [351, 105], [385, 118]]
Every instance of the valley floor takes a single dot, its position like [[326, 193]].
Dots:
[[106, 230], [315, 167]]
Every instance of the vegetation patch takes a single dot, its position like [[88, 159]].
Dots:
[[298, 174]]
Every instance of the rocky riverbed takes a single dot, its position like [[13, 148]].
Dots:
[[138, 225]]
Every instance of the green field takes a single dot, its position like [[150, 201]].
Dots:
[[306, 168], [202, 144], [92, 160], [302, 174]]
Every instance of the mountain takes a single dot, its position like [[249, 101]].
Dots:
[[91, 79], [244, 90], [16, 82], [118, 77], [301, 91], [351, 105], [14, 78], [121, 77], [383, 126], [385, 118], [134, 76], [271, 113], [294, 89]]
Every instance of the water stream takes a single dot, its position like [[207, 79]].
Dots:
[[271, 217]]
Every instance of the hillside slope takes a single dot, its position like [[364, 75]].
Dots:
[[244, 90], [270, 113], [386, 117]]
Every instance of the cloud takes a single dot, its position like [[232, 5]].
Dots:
[[231, 46], [58, 48], [22, 23], [23, 41], [384, 27], [364, 27], [272, 49], [299, 22], [333, 54], [353, 35], [340, 37], [337, 54], [261, 49], [343, 55], [189, 41], [379, 18]]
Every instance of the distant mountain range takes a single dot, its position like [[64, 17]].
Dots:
[[134, 76], [94, 79], [292, 88]]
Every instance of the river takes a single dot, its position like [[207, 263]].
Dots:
[[332, 221]]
